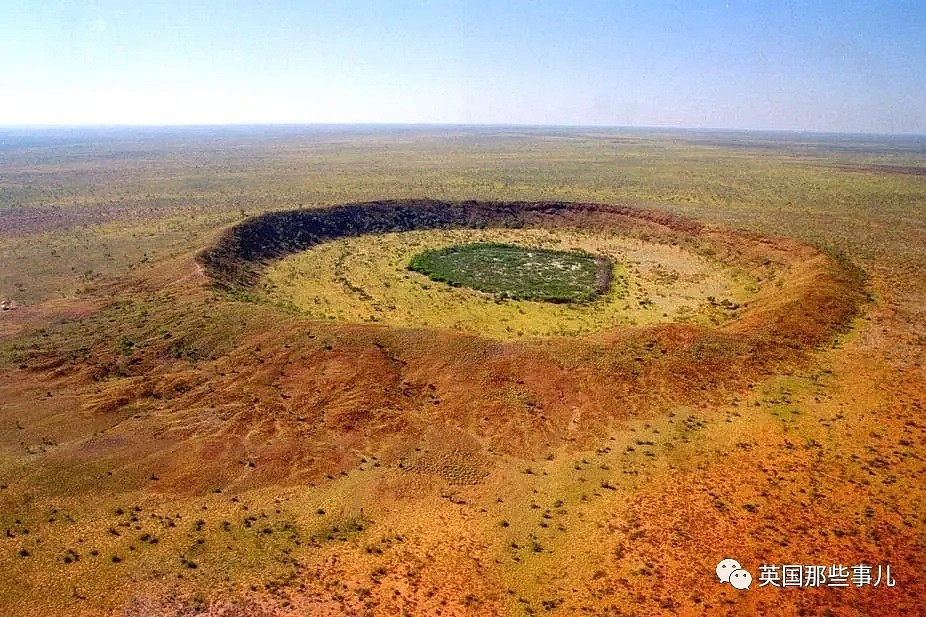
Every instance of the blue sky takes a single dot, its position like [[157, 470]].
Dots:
[[825, 66]]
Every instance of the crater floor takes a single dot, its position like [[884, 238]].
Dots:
[[366, 280]]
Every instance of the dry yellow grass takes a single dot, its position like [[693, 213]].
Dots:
[[366, 279]]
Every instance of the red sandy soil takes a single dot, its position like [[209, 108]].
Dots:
[[244, 397]]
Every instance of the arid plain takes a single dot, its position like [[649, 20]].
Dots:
[[323, 432]]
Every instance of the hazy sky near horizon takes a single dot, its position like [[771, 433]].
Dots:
[[846, 66]]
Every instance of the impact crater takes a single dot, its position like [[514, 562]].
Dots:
[[792, 295]]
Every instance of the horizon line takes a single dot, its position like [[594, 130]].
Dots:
[[460, 125]]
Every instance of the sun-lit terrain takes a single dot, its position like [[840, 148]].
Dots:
[[367, 279], [215, 401]]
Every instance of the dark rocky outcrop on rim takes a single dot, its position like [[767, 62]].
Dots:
[[243, 250]]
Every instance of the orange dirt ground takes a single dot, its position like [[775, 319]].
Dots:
[[599, 475]]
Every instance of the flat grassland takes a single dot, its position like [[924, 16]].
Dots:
[[170, 448]]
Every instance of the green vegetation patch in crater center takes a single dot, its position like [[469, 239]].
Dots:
[[518, 272]]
